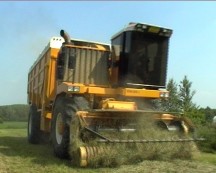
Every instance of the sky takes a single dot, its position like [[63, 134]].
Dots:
[[26, 28]]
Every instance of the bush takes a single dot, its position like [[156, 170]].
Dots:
[[209, 133]]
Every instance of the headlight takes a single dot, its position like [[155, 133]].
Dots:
[[164, 94], [74, 88]]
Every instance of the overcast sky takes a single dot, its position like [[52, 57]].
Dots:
[[26, 28]]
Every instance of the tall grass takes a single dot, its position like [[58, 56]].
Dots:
[[209, 133], [116, 154]]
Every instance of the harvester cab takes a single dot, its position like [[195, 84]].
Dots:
[[89, 95], [139, 52]]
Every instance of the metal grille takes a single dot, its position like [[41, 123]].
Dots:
[[91, 66]]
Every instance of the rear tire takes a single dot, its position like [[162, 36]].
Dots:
[[33, 125]]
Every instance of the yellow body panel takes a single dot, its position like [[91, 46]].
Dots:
[[131, 92], [118, 105], [97, 47], [128, 92], [100, 91]]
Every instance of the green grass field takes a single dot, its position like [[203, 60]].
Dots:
[[18, 156], [13, 125]]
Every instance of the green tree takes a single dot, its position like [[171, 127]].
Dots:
[[196, 116], [189, 108], [172, 103], [209, 114], [181, 100], [186, 95]]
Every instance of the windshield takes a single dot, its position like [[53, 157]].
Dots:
[[145, 59]]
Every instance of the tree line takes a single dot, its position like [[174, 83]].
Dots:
[[17, 112]]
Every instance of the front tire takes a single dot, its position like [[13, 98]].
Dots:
[[33, 125], [60, 129], [65, 110]]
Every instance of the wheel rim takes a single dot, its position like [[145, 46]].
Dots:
[[59, 128]]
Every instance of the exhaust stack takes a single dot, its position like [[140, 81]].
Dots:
[[66, 36]]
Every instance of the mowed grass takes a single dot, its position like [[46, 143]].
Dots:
[[13, 125], [18, 156], [207, 158]]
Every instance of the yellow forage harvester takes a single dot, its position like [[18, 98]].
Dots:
[[95, 101]]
